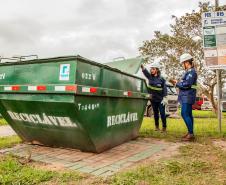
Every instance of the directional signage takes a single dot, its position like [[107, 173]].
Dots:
[[214, 39], [209, 36]]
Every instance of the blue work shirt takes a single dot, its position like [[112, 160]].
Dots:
[[156, 86], [187, 87]]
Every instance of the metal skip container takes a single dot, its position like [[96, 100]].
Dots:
[[71, 102]]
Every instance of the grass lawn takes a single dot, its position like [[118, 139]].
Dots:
[[13, 172], [204, 127], [206, 114], [3, 122], [6, 142], [196, 163]]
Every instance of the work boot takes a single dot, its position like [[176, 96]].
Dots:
[[163, 129], [189, 137], [157, 129], [185, 136]]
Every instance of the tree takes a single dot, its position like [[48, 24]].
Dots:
[[185, 36]]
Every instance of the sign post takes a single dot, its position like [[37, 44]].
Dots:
[[214, 43]]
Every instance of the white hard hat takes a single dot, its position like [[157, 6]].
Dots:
[[155, 65], [184, 57]]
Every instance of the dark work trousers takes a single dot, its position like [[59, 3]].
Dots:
[[186, 113], [158, 107]]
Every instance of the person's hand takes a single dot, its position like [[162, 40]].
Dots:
[[142, 66], [164, 101], [173, 81]]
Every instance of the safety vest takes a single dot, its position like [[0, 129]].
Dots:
[[154, 88]]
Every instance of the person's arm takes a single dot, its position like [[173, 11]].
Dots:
[[145, 72], [187, 82]]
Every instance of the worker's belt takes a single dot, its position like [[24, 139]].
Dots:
[[155, 88]]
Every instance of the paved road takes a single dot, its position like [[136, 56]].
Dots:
[[6, 131]]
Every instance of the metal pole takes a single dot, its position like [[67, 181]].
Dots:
[[219, 98], [218, 73]]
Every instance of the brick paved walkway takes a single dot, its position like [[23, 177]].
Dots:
[[104, 164]]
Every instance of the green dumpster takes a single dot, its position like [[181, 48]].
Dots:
[[71, 102]]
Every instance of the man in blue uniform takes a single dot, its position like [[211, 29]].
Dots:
[[157, 88], [187, 94]]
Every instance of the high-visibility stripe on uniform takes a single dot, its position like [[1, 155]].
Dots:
[[155, 88], [194, 86]]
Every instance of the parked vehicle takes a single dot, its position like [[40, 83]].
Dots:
[[206, 105], [224, 106], [198, 103]]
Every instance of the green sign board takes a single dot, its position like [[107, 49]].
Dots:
[[209, 36], [209, 41]]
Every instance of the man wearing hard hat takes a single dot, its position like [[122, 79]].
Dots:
[[157, 88], [187, 93]]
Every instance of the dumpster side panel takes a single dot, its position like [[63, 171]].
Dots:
[[110, 121], [87, 74], [120, 81], [48, 120]]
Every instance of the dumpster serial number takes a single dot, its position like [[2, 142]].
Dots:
[[87, 107], [42, 119], [88, 76]]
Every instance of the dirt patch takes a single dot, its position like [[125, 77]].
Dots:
[[220, 143], [168, 152]]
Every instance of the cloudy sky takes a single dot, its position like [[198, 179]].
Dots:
[[97, 29]]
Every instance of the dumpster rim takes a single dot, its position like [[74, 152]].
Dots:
[[66, 58]]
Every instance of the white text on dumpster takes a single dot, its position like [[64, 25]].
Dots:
[[42, 119], [121, 119]]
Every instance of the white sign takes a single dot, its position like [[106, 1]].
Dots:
[[42, 119], [208, 15], [64, 72], [214, 18], [214, 21], [209, 31], [210, 53], [220, 14], [214, 34], [222, 52]]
